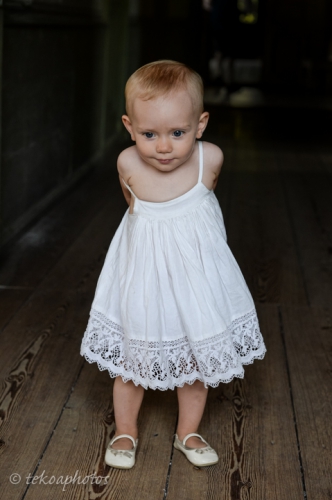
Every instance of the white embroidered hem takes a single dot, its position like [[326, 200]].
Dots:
[[168, 364]]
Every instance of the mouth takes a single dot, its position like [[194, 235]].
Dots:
[[164, 162]]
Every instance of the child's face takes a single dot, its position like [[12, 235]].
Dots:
[[165, 129]]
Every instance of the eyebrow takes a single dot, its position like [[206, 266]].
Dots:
[[178, 127]]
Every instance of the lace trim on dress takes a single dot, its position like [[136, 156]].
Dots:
[[165, 365]]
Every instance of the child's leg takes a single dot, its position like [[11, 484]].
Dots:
[[192, 399], [127, 400]]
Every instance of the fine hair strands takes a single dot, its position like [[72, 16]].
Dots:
[[161, 78]]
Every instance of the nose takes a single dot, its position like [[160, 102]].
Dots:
[[164, 145]]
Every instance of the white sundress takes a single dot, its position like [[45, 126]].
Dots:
[[171, 304]]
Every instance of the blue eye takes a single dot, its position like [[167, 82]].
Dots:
[[177, 133], [148, 135]]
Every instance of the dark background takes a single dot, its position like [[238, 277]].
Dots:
[[64, 65]]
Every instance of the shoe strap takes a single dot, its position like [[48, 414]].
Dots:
[[123, 436], [191, 435]]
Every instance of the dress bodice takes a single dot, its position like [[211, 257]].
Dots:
[[177, 206]]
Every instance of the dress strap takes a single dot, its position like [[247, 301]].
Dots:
[[129, 189], [200, 175]]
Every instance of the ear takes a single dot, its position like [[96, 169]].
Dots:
[[127, 123], [202, 124]]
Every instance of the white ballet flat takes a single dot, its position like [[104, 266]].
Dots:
[[201, 457], [121, 459]]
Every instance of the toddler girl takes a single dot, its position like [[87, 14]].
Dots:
[[171, 308]]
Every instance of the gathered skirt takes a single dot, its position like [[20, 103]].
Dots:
[[171, 304]]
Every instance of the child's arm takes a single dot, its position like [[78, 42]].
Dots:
[[219, 160], [126, 193], [122, 165], [215, 182]]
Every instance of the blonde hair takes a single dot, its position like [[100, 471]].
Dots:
[[162, 77]]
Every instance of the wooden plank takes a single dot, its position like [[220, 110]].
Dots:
[[76, 271], [309, 346], [10, 301], [259, 231], [27, 261], [48, 331], [250, 424], [82, 435], [39, 380], [308, 191]]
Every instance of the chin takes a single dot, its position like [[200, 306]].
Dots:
[[166, 168]]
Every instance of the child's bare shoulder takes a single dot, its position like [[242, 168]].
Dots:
[[127, 159], [213, 157]]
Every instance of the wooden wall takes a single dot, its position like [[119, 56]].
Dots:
[[63, 65]]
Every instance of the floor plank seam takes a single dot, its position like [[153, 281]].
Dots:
[[24, 302], [296, 243], [39, 285], [98, 210], [68, 247], [33, 474], [170, 465], [281, 325]]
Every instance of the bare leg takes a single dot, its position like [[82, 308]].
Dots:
[[127, 400], [192, 399]]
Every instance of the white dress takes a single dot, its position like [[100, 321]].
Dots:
[[171, 304]]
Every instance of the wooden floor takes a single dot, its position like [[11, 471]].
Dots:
[[272, 429]]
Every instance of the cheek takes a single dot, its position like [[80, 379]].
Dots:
[[143, 147], [187, 146]]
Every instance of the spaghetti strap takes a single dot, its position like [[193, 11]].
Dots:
[[129, 189], [200, 175]]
